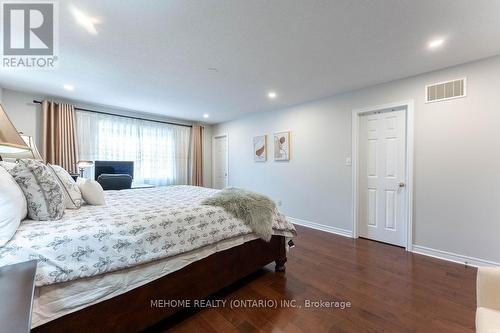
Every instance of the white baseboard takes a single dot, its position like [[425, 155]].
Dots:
[[322, 227], [458, 258]]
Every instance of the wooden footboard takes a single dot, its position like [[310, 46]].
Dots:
[[134, 310]]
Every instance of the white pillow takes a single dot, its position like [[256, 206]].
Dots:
[[7, 165], [13, 206], [72, 194], [92, 191]]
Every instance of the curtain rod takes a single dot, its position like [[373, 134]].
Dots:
[[122, 116]]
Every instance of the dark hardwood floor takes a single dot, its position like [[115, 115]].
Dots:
[[390, 290]]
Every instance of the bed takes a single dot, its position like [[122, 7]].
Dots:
[[101, 268]]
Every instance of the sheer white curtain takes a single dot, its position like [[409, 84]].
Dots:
[[160, 151]]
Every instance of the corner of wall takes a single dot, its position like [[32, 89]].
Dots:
[[207, 156]]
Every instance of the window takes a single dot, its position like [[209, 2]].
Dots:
[[160, 151]]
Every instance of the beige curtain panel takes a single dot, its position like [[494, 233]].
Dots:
[[197, 156], [58, 135]]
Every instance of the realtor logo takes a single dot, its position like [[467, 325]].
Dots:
[[30, 32]]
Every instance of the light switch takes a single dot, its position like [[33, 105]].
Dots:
[[348, 161]]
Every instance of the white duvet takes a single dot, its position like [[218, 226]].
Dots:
[[135, 227]]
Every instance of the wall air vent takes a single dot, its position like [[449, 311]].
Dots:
[[445, 90]]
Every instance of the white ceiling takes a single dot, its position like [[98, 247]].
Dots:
[[153, 56]]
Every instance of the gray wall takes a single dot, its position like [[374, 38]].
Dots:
[[456, 167], [26, 116]]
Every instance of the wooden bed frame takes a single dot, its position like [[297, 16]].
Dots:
[[133, 310]]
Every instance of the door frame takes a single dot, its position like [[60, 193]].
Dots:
[[213, 157], [356, 113]]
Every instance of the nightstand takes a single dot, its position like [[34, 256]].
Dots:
[[17, 284]]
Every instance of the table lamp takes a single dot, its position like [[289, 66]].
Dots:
[[83, 164], [32, 153], [30, 142], [11, 141]]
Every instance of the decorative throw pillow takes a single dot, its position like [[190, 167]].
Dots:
[[44, 195], [72, 194], [92, 191], [12, 206]]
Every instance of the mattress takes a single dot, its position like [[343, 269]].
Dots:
[[135, 227], [56, 300]]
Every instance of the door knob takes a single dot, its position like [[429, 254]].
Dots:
[[401, 184]]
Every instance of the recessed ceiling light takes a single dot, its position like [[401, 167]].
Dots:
[[205, 115], [435, 43], [84, 20], [69, 87], [272, 95]]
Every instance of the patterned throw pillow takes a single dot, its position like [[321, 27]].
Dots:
[[43, 193], [72, 194]]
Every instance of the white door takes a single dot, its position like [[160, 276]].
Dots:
[[220, 162], [382, 175]]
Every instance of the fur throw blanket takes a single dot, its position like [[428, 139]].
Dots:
[[256, 210]]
